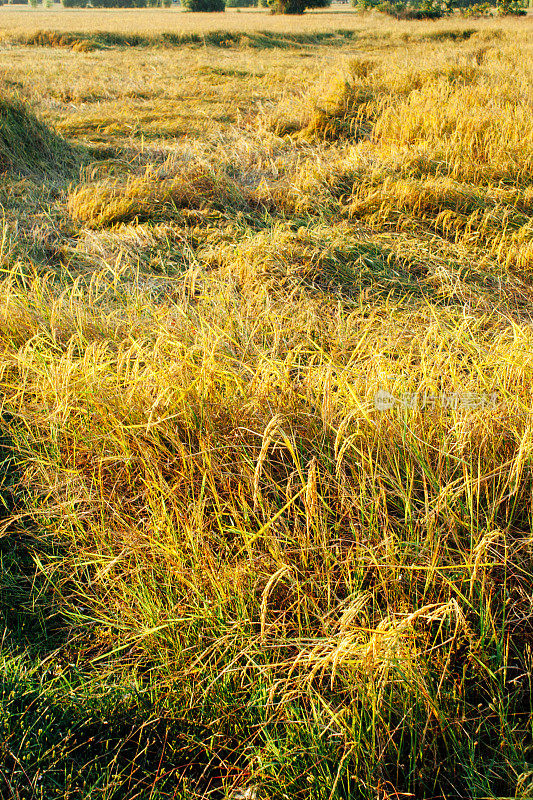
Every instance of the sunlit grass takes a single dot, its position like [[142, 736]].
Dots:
[[226, 566]]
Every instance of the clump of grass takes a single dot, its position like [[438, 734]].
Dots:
[[490, 144], [144, 251], [453, 209], [338, 261], [320, 584], [340, 107], [451, 35], [73, 41], [346, 108], [28, 146], [155, 195]]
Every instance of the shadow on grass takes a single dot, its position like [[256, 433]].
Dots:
[[63, 736], [68, 729], [259, 40]]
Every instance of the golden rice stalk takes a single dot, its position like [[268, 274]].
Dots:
[[283, 570], [311, 495], [268, 435], [480, 551]]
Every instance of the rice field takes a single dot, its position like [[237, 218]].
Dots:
[[266, 357]]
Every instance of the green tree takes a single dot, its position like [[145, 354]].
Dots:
[[204, 5], [296, 6]]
